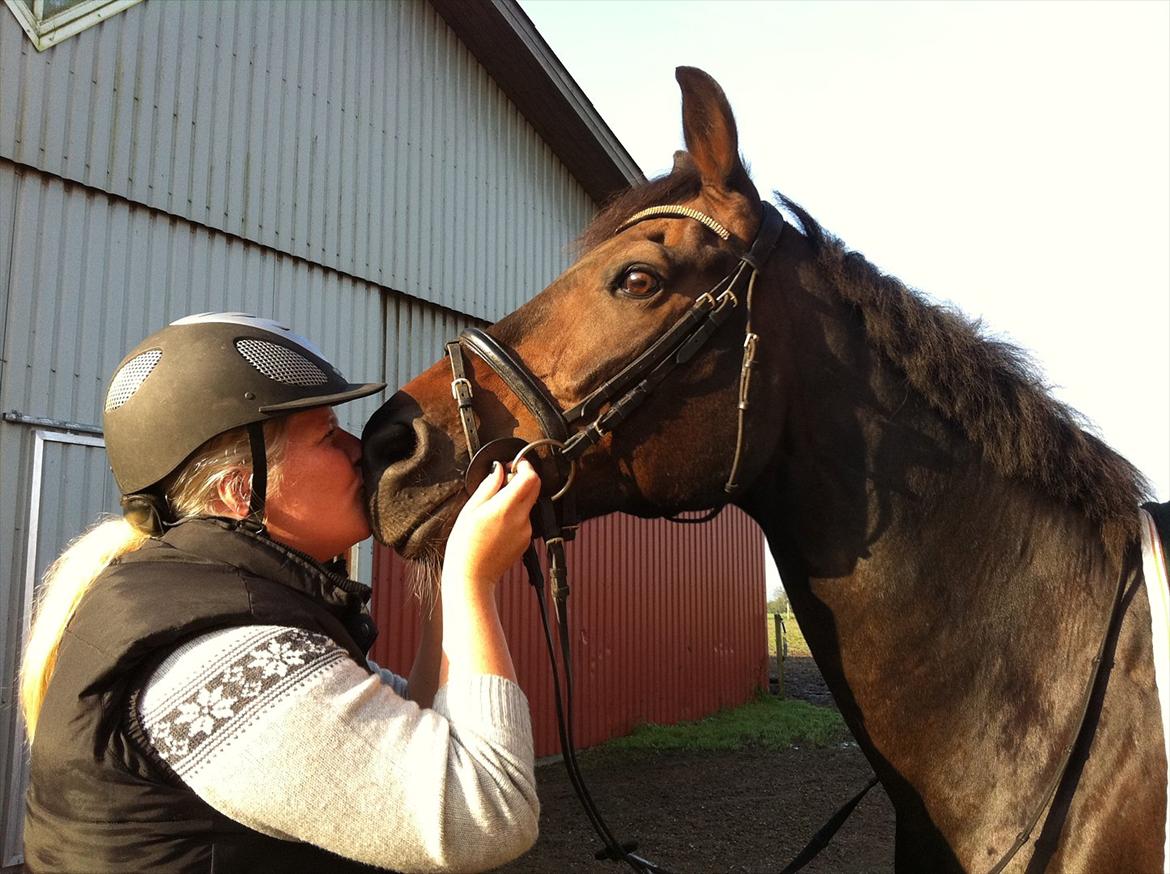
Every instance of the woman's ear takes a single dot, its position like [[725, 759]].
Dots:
[[234, 493]]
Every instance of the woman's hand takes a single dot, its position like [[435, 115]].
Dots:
[[490, 533], [493, 528]]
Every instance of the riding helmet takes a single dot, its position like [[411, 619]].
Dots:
[[204, 375]]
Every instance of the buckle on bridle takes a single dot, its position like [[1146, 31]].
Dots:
[[750, 343], [726, 297], [461, 391]]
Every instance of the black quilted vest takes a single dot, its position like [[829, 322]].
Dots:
[[99, 800]]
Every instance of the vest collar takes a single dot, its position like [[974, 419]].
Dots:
[[227, 541]]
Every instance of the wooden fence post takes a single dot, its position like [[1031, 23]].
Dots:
[[781, 651]]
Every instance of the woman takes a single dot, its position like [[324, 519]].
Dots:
[[195, 685]]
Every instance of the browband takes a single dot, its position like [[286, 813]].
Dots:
[[675, 211]]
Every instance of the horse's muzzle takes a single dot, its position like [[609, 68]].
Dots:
[[409, 472]]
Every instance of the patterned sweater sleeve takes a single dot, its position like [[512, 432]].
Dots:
[[280, 730]]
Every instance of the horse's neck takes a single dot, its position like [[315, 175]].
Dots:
[[941, 600]]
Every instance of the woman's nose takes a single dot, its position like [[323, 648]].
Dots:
[[352, 446]]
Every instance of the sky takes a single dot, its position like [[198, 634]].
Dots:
[[1010, 159]]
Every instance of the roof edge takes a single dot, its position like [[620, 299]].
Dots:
[[506, 42]]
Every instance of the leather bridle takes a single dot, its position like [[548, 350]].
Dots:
[[568, 434]]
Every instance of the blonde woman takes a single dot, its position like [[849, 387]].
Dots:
[[195, 686]]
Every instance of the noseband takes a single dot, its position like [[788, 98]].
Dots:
[[569, 433]]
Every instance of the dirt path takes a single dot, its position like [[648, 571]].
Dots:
[[713, 812]]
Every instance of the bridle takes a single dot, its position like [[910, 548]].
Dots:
[[607, 406], [569, 433]]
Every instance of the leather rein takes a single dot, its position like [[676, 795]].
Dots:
[[569, 433]]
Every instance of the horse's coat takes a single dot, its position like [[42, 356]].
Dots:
[[1158, 591]]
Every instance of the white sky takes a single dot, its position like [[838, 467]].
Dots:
[[1012, 158]]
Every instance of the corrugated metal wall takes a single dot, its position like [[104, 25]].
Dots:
[[359, 136], [667, 622]]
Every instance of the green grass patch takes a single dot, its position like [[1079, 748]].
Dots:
[[767, 723]]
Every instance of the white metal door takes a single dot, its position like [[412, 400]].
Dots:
[[70, 487]]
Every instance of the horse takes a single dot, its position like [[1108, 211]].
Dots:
[[959, 551]]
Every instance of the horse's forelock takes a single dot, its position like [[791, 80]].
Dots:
[[680, 184]]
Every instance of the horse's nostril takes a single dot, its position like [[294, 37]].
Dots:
[[388, 443]]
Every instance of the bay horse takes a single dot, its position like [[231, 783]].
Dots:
[[952, 540]]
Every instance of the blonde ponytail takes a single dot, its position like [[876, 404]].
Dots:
[[65, 583], [193, 492]]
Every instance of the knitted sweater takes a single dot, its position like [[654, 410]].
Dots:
[[278, 729]]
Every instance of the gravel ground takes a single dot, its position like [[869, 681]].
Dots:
[[750, 811]]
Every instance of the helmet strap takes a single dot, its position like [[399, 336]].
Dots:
[[255, 519], [145, 512]]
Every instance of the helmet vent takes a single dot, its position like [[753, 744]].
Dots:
[[130, 378], [280, 363]]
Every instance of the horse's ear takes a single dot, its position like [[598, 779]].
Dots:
[[710, 132]]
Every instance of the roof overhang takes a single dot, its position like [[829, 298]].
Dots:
[[506, 42]]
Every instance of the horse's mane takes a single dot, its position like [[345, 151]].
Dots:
[[990, 389]]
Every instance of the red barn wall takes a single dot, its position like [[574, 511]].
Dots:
[[667, 622]]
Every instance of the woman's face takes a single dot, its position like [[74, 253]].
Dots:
[[317, 504]]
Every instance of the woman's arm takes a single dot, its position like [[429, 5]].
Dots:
[[490, 535], [279, 729]]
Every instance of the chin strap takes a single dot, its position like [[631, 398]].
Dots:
[[255, 519], [145, 512]]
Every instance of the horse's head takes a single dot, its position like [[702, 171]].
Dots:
[[635, 282]]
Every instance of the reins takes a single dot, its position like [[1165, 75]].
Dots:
[[1070, 748], [570, 433]]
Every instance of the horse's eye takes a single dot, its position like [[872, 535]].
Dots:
[[639, 282]]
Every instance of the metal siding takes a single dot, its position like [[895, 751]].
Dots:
[[363, 137], [667, 624], [8, 189], [107, 273]]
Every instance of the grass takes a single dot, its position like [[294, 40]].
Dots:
[[768, 722], [765, 723]]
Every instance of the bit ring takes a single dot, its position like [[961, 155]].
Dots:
[[548, 441]]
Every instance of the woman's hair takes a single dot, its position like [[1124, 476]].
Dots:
[[193, 491]]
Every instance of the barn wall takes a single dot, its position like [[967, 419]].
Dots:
[[360, 136], [667, 623]]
